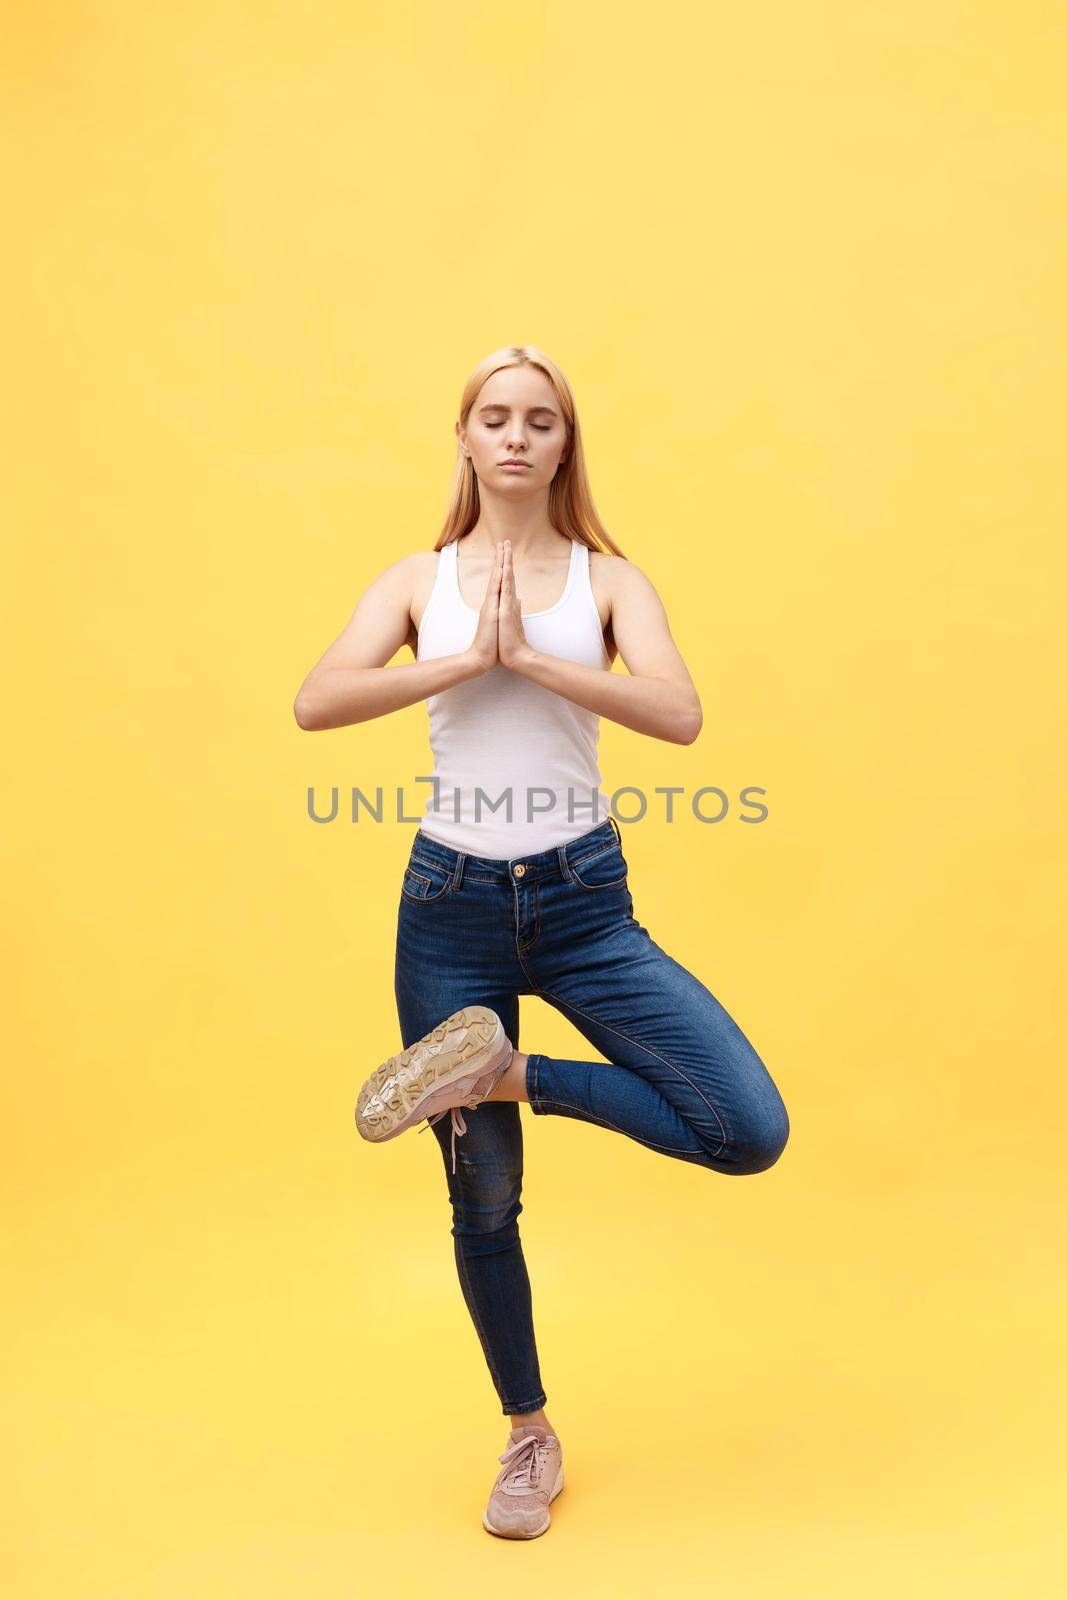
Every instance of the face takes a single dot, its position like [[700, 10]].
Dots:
[[515, 417]]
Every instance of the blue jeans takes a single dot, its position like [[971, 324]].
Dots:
[[679, 1076]]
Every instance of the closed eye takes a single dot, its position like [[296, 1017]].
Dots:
[[543, 427]]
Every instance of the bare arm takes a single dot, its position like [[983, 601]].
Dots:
[[351, 682], [658, 696]]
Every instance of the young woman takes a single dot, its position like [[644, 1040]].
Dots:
[[516, 882]]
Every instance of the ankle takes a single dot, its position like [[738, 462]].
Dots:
[[512, 1083], [522, 1419]]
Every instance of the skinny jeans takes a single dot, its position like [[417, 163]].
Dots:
[[677, 1075]]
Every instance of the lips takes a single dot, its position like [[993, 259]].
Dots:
[[516, 466]]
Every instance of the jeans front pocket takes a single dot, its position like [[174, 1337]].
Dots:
[[606, 869], [425, 881]]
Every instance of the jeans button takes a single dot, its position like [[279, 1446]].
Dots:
[[519, 871]]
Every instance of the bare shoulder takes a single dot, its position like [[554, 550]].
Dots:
[[406, 572], [616, 569], [408, 567], [614, 578], [393, 575], [400, 590]]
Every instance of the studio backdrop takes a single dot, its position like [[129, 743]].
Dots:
[[803, 270]]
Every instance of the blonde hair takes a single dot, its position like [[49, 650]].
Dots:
[[570, 500]]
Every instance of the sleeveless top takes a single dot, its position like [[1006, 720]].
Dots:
[[515, 763]]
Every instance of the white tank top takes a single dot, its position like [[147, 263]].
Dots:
[[503, 740]]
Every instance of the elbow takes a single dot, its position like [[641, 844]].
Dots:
[[691, 726], [306, 713]]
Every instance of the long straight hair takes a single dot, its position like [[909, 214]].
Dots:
[[570, 500]]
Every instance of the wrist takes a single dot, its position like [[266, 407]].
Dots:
[[523, 659], [474, 663]]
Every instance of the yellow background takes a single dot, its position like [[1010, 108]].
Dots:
[[803, 267]]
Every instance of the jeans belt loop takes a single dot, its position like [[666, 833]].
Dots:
[[564, 864], [615, 825], [457, 875]]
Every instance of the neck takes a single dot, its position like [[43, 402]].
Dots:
[[529, 535]]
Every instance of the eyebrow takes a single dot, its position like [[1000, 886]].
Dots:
[[498, 407]]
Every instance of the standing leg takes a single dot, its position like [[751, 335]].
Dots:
[[485, 1194]]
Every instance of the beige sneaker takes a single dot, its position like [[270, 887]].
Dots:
[[457, 1064], [530, 1479]]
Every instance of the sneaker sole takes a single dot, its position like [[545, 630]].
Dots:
[[513, 1533], [402, 1091]]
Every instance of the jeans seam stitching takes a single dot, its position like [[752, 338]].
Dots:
[[537, 922], [424, 899], [594, 855], [611, 1028], [667, 1149], [476, 1319], [518, 946], [472, 1306]]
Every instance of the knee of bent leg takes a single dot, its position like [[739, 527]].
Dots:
[[486, 1197], [762, 1138]]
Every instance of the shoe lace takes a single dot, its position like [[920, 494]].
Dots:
[[459, 1125], [524, 1461], [474, 1098]]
